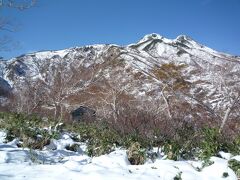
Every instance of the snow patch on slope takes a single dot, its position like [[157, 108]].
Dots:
[[49, 54]]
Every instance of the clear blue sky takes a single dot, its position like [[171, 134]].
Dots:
[[59, 24]]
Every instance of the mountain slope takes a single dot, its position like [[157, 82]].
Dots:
[[164, 75]]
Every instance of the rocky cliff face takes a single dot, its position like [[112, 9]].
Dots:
[[173, 77]]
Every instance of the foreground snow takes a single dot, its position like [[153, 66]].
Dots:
[[17, 163]]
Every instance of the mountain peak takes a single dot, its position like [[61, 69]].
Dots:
[[149, 37], [184, 38], [155, 36]]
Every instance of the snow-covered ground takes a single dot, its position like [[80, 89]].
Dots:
[[18, 163]]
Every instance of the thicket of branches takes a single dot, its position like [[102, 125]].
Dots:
[[68, 85]]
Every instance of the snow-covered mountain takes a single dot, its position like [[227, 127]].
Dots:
[[98, 75]]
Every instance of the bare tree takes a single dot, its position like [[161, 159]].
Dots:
[[26, 96], [6, 24], [111, 102], [20, 5], [233, 102], [228, 88]]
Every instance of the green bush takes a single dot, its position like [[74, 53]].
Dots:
[[236, 146], [210, 144], [182, 145], [235, 166], [232, 146], [129, 139], [29, 129], [100, 138], [136, 154], [172, 150]]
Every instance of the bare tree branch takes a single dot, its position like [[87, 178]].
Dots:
[[6, 23], [22, 5], [228, 112]]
